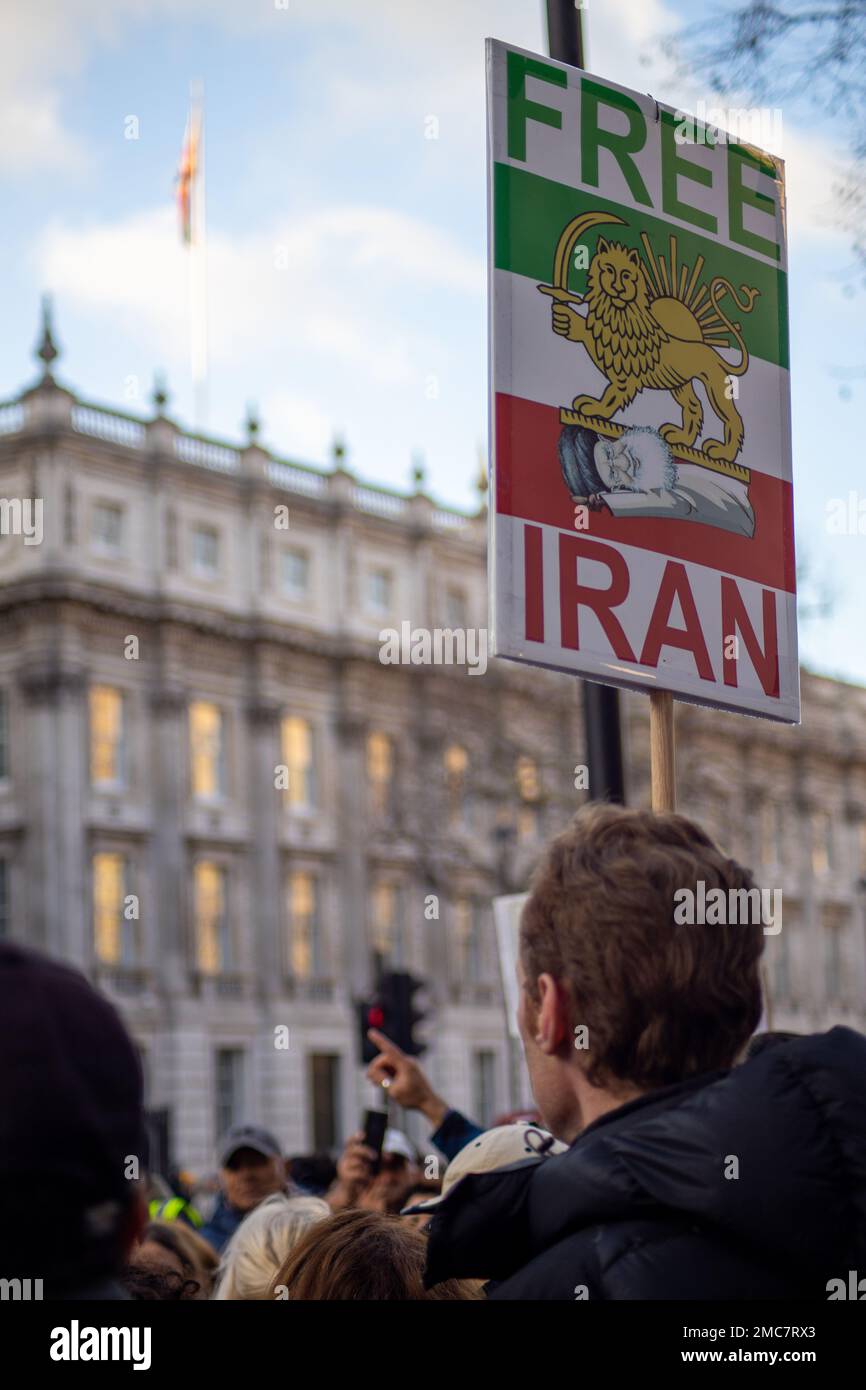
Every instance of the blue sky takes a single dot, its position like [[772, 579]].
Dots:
[[345, 248]]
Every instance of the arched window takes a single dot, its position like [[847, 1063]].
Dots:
[[115, 937], [303, 916], [467, 941], [207, 750], [380, 772], [214, 946], [528, 780], [106, 736], [456, 767], [386, 924], [298, 748]]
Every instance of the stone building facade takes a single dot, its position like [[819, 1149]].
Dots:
[[218, 801]]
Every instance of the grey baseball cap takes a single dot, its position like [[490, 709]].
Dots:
[[248, 1137]]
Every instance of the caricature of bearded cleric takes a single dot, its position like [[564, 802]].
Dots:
[[636, 475]]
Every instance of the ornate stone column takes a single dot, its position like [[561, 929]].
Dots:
[[54, 793], [173, 956], [351, 732], [266, 919]]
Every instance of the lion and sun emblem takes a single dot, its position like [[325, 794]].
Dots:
[[652, 324]]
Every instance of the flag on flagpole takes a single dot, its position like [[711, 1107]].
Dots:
[[193, 229], [188, 170]]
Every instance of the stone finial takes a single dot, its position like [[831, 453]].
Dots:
[[252, 424], [481, 480], [419, 472], [160, 394], [339, 452], [254, 459], [47, 351]]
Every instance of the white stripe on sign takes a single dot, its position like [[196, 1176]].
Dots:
[[538, 366], [597, 656]]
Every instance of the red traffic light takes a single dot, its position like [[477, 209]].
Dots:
[[375, 1016]]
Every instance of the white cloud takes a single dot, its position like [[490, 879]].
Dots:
[[134, 268], [411, 60], [812, 173], [298, 423], [341, 277], [43, 45], [408, 246], [35, 56]]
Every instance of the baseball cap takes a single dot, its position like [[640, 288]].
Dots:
[[248, 1137], [71, 1117], [396, 1142], [496, 1148]]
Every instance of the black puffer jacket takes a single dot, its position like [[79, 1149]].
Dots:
[[641, 1208]]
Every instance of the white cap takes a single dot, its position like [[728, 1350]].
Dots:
[[496, 1148], [395, 1142]]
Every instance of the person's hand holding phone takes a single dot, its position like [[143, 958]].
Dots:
[[354, 1173]]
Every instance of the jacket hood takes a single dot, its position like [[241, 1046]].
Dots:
[[771, 1154]]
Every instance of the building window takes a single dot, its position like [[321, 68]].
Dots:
[[833, 959], [4, 736], [107, 527], [526, 775], [324, 1093], [107, 751], [780, 957], [207, 750], [456, 764], [303, 913], [455, 608], [380, 772], [484, 1086], [379, 592], [772, 833], [529, 792], [228, 1088], [467, 941], [4, 898], [822, 843], [214, 944], [299, 758], [386, 923], [205, 551], [115, 935], [295, 573], [171, 546]]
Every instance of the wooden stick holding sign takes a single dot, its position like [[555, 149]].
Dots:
[[662, 758]]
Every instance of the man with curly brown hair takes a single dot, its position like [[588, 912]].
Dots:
[[691, 1174]]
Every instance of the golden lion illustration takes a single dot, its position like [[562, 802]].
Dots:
[[646, 328]]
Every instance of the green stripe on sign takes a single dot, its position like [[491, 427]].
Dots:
[[530, 213]]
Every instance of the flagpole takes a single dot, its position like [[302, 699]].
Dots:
[[198, 298], [602, 731]]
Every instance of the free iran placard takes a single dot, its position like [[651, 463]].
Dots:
[[641, 501]]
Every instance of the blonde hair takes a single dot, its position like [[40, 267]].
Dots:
[[262, 1244]]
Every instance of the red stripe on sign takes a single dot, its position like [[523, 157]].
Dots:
[[529, 484], [533, 568]]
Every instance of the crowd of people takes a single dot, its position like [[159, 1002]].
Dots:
[[674, 1152]]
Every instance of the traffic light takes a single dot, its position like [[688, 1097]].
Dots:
[[397, 989], [390, 1008], [371, 1014]]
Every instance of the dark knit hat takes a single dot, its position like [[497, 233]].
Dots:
[[71, 1119]]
